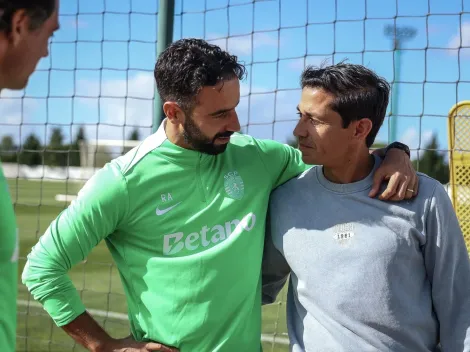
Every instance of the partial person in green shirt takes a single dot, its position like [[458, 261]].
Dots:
[[183, 215], [25, 27]]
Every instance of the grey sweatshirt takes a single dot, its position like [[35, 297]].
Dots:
[[367, 275]]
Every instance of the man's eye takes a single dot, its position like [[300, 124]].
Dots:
[[314, 122]]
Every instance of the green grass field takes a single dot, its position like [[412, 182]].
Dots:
[[97, 279]]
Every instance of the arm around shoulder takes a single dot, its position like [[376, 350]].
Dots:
[[281, 161]]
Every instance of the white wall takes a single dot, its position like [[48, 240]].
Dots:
[[48, 173]]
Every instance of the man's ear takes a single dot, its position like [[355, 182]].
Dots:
[[173, 112], [19, 27], [363, 128]]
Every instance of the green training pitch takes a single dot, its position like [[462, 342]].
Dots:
[[97, 279]]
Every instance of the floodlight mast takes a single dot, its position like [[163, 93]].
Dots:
[[398, 34]]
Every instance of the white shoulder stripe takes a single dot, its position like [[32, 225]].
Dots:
[[240, 135], [150, 143]]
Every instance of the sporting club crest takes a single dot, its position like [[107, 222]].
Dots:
[[234, 186]]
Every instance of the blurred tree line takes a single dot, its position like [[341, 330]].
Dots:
[[431, 161], [55, 153]]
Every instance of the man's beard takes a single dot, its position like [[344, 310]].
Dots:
[[200, 142]]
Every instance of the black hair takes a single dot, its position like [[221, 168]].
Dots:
[[37, 10], [188, 65], [359, 93]]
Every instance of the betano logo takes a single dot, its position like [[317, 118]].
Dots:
[[175, 242]]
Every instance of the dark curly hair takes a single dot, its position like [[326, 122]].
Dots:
[[359, 93], [188, 65], [37, 10]]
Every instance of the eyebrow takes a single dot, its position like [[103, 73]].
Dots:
[[308, 114], [221, 111]]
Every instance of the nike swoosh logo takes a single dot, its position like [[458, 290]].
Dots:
[[164, 211]]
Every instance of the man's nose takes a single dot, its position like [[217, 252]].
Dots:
[[300, 130], [234, 124]]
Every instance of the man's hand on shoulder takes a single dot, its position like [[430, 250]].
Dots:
[[397, 169], [128, 344]]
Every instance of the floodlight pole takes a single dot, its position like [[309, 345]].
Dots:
[[166, 12], [398, 36]]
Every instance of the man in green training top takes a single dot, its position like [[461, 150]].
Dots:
[[183, 215], [25, 27]]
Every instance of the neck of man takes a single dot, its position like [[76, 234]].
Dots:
[[356, 166], [175, 135]]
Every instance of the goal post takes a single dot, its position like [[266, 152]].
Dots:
[[459, 164]]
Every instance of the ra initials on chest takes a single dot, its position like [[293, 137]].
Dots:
[[166, 197]]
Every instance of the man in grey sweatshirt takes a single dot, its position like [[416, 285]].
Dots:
[[365, 275]]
